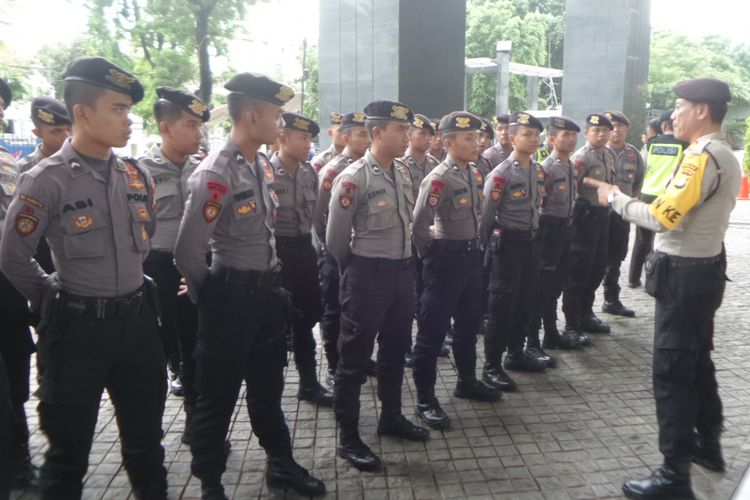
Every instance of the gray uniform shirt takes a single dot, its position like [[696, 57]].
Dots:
[[370, 212], [495, 155], [628, 170], [326, 176], [449, 198], [229, 211], [597, 164], [321, 159], [170, 181], [98, 230], [419, 172], [8, 180], [560, 187], [697, 202], [512, 196], [31, 160], [296, 193]]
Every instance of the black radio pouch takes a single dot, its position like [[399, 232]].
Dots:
[[656, 267]]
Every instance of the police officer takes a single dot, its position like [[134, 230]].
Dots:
[[503, 148], [98, 325], [16, 344], [449, 198], [510, 220], [544, 150], [485, 136], [437, 150], [241, 308], [357, 141], [663, 155], [296, 187], [179, 116], [590, 230], [337, 143], [369, 236], [560, 185], [686, 274], [629, 177]]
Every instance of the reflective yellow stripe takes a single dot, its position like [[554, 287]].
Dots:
[[661, 161], [683, 192]]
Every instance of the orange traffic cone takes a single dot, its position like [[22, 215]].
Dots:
[[744, 190]]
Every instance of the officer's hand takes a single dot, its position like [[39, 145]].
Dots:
[[602, 189], [183, 290]]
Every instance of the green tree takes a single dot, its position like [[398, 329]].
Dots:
[[746, 159], [310, 73]]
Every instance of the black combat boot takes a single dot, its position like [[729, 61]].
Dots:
[[311, 390], [593, 324], [394, 423], [522, 362], [471, 388], [283, 472], [671, 480], [358, 454], [429, 411], [617, 308], [497, 378]]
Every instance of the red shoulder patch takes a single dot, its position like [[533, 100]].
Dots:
[[216, 189], [498, 181], [349, 186], [437, 185], [26, 224], [211, 210], [345, 200]]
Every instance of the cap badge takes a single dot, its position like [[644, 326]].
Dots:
[[120, 79]]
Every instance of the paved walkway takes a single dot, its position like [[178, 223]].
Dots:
[[573, 432]]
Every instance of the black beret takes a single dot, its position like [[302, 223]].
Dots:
[[335, 118], [526, 120], [389, 110], [421, 121], [188, 102], [460, 121], [296, 121], [261, 87], [99, 72], [563, 123], [351, 120], [617, 117], [501, 119], [49, 111], [708, 90], [5, 93], [597, 120], [487, 128], [666, 116]]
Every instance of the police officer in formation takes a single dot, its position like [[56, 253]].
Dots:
[[590, 231], [555, 214], [296, 189], [98, 327], [437, 150], [485, 136], [337, 143], [628, 175], [242, 309], [16, 344], [179, 116], [686, 275], [449, 201], [369, 235], [355, 137], [499, 152], [663, 155]]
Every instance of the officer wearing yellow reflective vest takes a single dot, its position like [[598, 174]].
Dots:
[[686, 275]]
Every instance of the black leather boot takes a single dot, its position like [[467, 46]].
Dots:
[[283, 472], [24, 474], [617, 308], [593, 324], [497, 378], [668, 481], [358, 454], [212, 490], [522, 362], [394, 423], [708, 453], [311, 390], [429, 411], [476, 390]]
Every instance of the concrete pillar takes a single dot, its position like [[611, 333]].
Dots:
[[532, 93], [503, 77]]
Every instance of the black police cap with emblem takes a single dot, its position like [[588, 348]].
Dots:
[[460, 121], [5, 93], [260, 87], [188, 102], [563, 123], [617, 117], [335, 118], [526, 120], [598, 120], [389, 110], [351, 120], [421, 121], [487, 128], [296, 121], [708, 90], [501, 119], [100, 72], [48, 111]]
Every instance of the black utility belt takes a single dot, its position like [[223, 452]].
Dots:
[[301, 240], [246, 277], [456, 245], [518, 234], [382, 264], [555, 221], [676, 261], [106, 307], [160, 256]]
